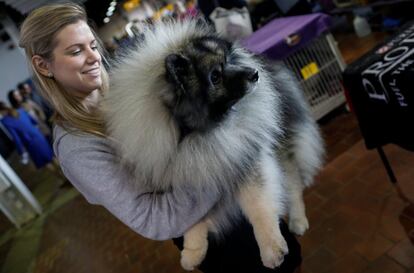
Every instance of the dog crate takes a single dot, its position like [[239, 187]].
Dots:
[[307, 48], [318, 67]]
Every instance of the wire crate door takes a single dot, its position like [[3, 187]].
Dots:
[[318, 67]]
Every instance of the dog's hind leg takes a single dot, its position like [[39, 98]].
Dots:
[[263, 218], [298, 223], [301, 166], [260, 201], [195, 245]]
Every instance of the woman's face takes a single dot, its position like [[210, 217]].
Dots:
[[76, 63], [17, 96]]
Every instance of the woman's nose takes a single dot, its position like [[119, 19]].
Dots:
[[93, 56]]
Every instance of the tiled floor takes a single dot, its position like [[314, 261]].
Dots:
[[358, 221]]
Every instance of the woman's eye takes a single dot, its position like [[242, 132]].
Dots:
[[215, 77], [94, 47], [75, 53]]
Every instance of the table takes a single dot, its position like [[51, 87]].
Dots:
[[380, 88]]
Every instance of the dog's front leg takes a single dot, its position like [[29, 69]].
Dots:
[[195, 245], [258, 206]]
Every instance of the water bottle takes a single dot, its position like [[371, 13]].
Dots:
[[361, 26]]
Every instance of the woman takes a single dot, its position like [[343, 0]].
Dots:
[[66, 61], [26, 136], [67, 66]]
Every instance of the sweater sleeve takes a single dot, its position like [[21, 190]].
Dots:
[[94, 171]]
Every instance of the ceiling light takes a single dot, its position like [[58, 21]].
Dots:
[[106, 20], [111, 8], [113, 4], [109, 13]]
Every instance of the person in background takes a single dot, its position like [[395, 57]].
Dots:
[[17, 101], [28, 139], [28, 92]]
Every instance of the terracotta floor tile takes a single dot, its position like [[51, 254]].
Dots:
[[366, 225], [303, 270], [403, 253], [364, 160], [395, 205], [373, 247], [313, 201], [328, 174], [343, 161], [348, 173], [359, 149], [391, 228], [312, 241], [333, 204], [406, 183], [340, 220], [351, 263], [343, 242], [375, 172], [370, 203], [397, 154], [408, 211], [326, 188], [320, 261], [114, 248], [384, 264], [337, 149], [343, 201], [316, 218], [351, 190]]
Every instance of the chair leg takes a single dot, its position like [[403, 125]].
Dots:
[[387, 165]]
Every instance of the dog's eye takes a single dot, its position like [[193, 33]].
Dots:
[[215, 77]]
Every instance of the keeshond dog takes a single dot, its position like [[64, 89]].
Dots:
[[186, 106]]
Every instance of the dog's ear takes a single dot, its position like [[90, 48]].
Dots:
[[177, 67], [202, 23]]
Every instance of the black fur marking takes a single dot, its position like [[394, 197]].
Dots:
[[177, 67], [292, 112], [202, 105], [200, 44]]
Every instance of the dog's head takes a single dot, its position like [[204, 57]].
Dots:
[[207, 80]]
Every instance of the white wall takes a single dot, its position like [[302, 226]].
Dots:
[[13, 66]]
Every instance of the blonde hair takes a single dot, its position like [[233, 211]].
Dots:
[[38, 37]]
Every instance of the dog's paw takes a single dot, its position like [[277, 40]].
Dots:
[[298, 225], [191, 258], [273, 253]]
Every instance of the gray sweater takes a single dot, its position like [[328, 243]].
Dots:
[[91, 166]]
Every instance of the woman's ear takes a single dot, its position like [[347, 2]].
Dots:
[[41, 65]]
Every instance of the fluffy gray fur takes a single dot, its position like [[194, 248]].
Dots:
[[267, 141]]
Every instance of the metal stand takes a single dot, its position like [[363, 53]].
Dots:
[[16, 200], [387, 165]]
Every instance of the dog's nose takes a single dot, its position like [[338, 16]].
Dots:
[[253, 76]]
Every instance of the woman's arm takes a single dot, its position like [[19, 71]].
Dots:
[[93, 170]]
